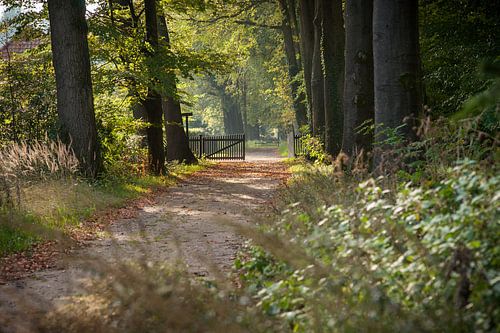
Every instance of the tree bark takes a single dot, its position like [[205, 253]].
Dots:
[[75, 103], [358, 88], [333, 42], [231, 111], [317, 78], [233, 122], [253, 132], [177, 140], [293, 68], [153, 102], [292, 13], [243, 106], [396, 67], [306, 10]]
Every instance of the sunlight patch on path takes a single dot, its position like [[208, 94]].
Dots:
[[194, 221]]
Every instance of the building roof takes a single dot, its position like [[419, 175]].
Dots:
[[17, 46]]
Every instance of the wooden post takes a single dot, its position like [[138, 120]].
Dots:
[[290, 140], [186, 116], [200, 152], [244, 144]]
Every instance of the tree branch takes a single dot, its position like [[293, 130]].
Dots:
[[255, 24]]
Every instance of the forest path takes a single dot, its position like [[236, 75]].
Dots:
[[195, 221]]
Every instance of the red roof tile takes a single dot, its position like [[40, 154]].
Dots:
[[18, 46]]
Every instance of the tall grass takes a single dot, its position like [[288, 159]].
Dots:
[[24, 163], [22, 167], [43, 197]]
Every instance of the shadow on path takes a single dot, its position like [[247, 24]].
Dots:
[[191, 224]]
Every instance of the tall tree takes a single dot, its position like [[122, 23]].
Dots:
[[153, 102], [177, 140], [233, 121], [293, 65], [306, 13], [128, 24], [251, 131], [358, 88], [317, 77], [396, 66], [332, 46], [75, 103], [230, 105]]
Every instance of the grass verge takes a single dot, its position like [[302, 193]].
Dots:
[[52, 207]]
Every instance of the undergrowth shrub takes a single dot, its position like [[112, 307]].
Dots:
[[122, 137], [438, 144], [419, 257], [314, 148]]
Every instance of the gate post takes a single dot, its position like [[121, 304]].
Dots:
[[244, 145], [291, 144], [202, 144]]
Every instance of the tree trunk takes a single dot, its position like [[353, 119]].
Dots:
[[231, 112], [292, 13], [293, 68], [244, 105], [153, 103], [177, 140], [317, 78], [253, 132], [333, 42], [306, 9], [233, 122], [75, 103], [358, 88], [396, 67]]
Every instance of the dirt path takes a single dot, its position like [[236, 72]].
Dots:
[[193, 221]]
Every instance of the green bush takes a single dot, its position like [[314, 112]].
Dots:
[[314, 148], [419, 258]]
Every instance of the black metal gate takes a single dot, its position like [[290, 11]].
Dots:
[[219, 147], [295, 145]]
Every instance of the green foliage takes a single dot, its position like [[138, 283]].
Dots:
[[256, 267], [485, 106], [283, 149], [255, 64], [314, 147], [488, 99], [119, 133], [14, 240], [27, 97], [455, 37], [420, 258]]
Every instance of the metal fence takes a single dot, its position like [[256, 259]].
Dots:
[[295, 145], [219, 147]]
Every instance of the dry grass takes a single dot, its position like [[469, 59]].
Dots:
[[22, 164], [143, 297], [38, 160], [41, 193], [55, 196]]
